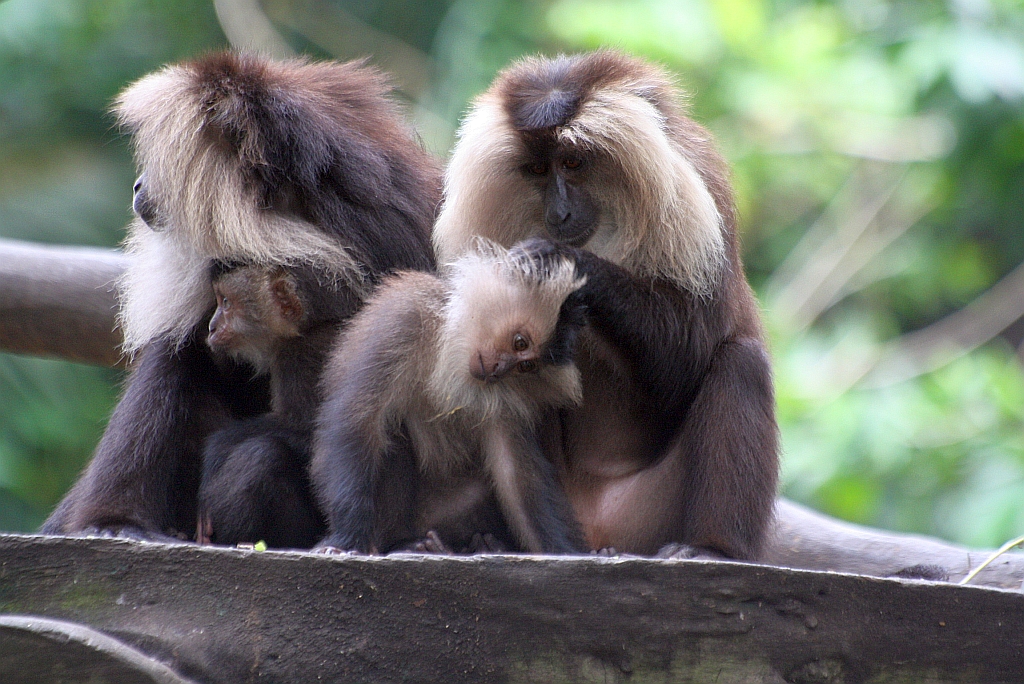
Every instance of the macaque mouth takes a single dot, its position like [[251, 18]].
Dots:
[[481, 372], [573, 239]]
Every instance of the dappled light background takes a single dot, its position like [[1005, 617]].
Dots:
[[878, 156]]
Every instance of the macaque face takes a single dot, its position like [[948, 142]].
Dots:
[[512, 352], [236, 327], [571, 214], [255, 314]]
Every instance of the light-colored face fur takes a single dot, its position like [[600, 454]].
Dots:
[[493, 295], [206, 213], [658, 218]]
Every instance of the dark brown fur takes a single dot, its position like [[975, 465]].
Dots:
[[255, 483], [433, 398], [296, 164]]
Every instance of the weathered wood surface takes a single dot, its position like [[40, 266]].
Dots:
[[36, 650], [223, 615]]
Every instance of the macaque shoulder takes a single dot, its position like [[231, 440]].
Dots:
[[394, 329]]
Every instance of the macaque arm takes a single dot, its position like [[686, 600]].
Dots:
[[363, 467], [534, 504], [728, 446], [151, 445], [665, 334], [346, 470]]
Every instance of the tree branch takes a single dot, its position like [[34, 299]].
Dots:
[[59, 301]]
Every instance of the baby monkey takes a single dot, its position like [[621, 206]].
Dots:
[[258, 311], [255, 485], [434, 396]]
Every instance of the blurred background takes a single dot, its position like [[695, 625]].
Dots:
[[878, 155]]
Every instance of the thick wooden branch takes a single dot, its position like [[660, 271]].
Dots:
[[223, 615], [59, 301]]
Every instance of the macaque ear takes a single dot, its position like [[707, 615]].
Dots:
[[287, 299]]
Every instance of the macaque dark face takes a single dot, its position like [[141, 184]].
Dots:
[[513, 353], [256, 312], [571, 214]]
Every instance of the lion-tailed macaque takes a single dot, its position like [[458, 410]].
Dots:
[[433, 400], [675, 444], [255, 482], [304, 165]]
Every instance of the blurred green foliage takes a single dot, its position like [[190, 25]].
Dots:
[[878, 155]]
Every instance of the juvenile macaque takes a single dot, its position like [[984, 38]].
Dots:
[[258, 312], [255, 483], [433, 399]]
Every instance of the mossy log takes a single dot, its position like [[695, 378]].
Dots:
[[225, 615]]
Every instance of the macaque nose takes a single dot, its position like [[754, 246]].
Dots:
[[490, 368], [559, 207], [142, 204]]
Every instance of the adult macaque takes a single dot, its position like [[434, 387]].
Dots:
[[433, 399], [675, 444], [255, 483], [300, 165]]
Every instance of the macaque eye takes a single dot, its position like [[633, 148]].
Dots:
[[520, 343], [527, 366], [572, 163], [538, 169]]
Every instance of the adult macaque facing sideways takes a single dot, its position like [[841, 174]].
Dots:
[[294, 164]]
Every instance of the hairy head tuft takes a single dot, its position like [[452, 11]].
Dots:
[[666, 210]]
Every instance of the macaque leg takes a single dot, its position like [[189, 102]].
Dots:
[[529, 494], [732, 473], [370, 501], [714, 487], [255, 488]]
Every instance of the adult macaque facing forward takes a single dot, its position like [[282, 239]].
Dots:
[[296, 164], [676, 443]]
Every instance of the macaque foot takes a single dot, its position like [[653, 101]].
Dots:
[[328, 550], [676, 551], [606, 552], [431, 543], [485, 543], [128, 532]]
